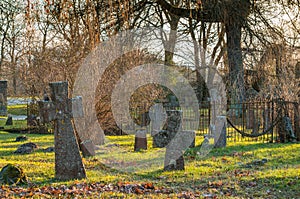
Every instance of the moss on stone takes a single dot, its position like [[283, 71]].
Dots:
[[11, 174]]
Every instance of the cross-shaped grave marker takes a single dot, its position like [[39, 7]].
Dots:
[[61, 110]]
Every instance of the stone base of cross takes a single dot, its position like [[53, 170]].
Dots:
[[61, 110]]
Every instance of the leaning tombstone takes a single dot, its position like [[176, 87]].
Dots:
[[68, 162], [220, 132], [3, 98], [174, 138], [176, 141], [86, 145], [171, 127], [191, 135], [158, 117], [174, 159]]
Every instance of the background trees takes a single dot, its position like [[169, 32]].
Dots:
[[45, 40]]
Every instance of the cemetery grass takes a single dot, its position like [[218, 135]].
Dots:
[[233, 172], [18, 109]]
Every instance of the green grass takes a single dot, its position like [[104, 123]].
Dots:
[[19, 109], [16, 124], [222, 172]]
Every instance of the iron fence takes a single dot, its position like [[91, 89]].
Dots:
[[258, 121]]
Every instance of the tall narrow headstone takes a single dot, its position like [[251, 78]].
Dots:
[[3, 98], [68, 162], [220, 132]]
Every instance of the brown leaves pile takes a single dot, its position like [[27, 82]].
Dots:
[[80, 189]]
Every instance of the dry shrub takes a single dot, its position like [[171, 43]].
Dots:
[[143, 97]]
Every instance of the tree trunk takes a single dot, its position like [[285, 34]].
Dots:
[[235, 61], [232, 13], [171, 42]]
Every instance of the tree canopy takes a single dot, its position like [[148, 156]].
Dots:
[[44, 41]]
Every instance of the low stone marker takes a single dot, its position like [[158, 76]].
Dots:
[[140, 141], [26, 148], [49, 149], [21, 138], [68, 162]]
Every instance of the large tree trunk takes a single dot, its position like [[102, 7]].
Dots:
[[232, 13], [171, 41], [235, 61]]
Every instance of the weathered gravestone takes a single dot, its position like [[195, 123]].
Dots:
[[170, 128], [47, 114], [175, 140], [158, 117], [3, 98], [68, 162], [140, 141], [12, 174], [220, 132], [218, 121]]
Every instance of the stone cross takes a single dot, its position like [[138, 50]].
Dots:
[[61, 110], [3, 98]]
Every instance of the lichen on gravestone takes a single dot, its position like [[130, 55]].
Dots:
[[11, 174]]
